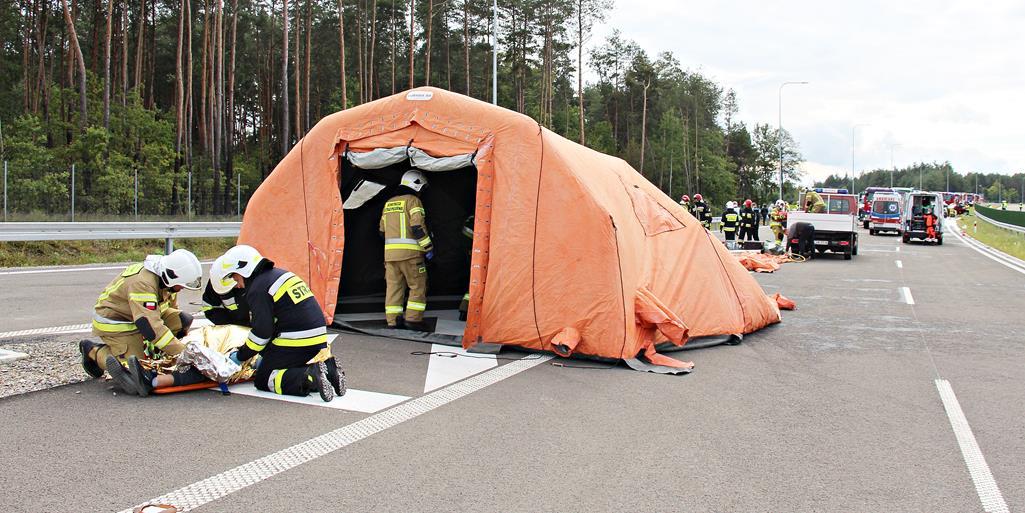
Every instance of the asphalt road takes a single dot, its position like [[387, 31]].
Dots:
[[835, 409]]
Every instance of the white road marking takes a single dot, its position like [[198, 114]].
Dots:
[[11, 356], [72, 269], [75, 328], [898, 249], [354, 400], [908, 298], [444, 370], [900, 265], [213, 488], [985, 485], [997, 256]]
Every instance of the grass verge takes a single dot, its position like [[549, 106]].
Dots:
[[21, 254], [1012, 243]]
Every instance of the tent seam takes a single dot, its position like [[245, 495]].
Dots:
[[533, 249]]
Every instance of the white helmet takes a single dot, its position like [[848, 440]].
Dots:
[[731, 204], [782, 205], [181, 267], [414, 180], [241, 260], [219, 279]]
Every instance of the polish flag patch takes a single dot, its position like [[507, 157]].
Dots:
[[150, 305]]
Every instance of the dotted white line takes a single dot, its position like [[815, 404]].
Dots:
[[985, 485], [248, 474], [44, 331], [900, 265], [908, 298]]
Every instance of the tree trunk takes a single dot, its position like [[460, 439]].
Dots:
[[77, 51], [298, 74], [124, 55], [580, 67], [106, 67], [360, 77], [393, 47], [371, 73], [306, 90], [341, 51], [286, 140], [139, 46], [204, 131], [229, 139], [412, 26], [427, 55], [466, 43], [644, 123]]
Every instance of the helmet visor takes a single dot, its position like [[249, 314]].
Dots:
[[194, 284]]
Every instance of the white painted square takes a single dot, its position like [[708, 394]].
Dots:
[[448, 327], [354, 400], [443, 369], [11, 356]]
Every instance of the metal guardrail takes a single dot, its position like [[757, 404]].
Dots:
[[1005, 226], [106, 230]]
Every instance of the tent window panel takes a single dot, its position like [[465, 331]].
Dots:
[[653, 216], [380, 158]]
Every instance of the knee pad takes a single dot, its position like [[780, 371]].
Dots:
[[186, 324]]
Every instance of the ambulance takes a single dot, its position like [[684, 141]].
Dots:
[[885, 213]]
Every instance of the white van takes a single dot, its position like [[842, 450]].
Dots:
[[884, 213], [922, 217]]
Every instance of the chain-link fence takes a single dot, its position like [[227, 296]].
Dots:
[[80, 193]]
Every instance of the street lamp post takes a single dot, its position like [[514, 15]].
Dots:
[[494, 54], [779, 135], [892, 168], [854, 148]]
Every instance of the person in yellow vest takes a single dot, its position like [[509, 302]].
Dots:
[[778, 219], [406, 244], [814, 203], [730, 220], [137, 313]]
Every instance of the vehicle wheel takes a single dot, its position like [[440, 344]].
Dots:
[[872, 232], [906, 239], [855, 250], [847, 256], [865, 224], [939, 240]]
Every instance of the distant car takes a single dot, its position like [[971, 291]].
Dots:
[[885, 213]]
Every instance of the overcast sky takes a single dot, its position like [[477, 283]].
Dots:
[[944, 80]]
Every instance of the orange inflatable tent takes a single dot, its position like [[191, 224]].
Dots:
[[573, 251]]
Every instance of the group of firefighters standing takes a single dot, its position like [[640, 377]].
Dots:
[[740, 223]]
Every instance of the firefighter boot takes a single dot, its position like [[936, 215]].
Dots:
[[88, 364], [142, 379], [317, 375], [336, 376], [120, 376]]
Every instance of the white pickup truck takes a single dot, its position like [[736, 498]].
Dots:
[[836, 227]]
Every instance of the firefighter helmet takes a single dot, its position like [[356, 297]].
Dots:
[[747, 203], [181, 267], [241, 260], [697, 197], [414, 180]]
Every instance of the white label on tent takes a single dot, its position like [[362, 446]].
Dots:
[[419, 96]]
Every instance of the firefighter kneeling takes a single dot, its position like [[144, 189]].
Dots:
[[138, 314], [288, 327]]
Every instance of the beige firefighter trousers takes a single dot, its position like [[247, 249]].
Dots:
[[411, 273]]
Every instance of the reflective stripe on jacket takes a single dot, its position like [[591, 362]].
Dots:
[[134, 295], [404, 227]]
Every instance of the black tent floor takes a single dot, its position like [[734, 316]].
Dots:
[[444, 327]]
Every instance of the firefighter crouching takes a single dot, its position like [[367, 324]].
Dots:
[[288, 328], [730, 220], [406, 244], [138, 313]]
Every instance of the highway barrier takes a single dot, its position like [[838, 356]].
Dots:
[[103, 231]]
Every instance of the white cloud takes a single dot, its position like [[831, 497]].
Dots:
[[941, 79]]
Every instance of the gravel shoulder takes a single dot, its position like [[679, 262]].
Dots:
[[52, 361]]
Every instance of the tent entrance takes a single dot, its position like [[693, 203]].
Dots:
[[449, 199]]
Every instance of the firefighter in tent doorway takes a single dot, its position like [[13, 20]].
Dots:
[[137, 314], [730, 219], [406, 244], [701, 211], [464, 305]]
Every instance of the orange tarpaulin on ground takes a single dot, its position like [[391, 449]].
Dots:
[[567, 242]]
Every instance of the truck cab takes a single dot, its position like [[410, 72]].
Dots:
[[834, 220]]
